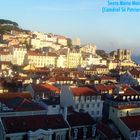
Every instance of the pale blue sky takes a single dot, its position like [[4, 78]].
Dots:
[[76, 18]]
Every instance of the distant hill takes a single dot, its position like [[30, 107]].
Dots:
[[8, 22], [6, 26]]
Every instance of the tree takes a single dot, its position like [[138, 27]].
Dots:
[[69, 42]]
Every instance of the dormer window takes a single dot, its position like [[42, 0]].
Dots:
[[124, 97], [40, 138], [128, 97], [136, 97], [132, 134], [132, 97], [88, 98], [138, 133], [98, 97], [93, 97]]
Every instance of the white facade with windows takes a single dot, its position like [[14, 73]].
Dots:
[[18, 55], [91, 104]]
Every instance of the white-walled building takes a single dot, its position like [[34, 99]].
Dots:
[[61, 61], [76, 42], [87, 100], [62, 40], [41, 59], [5, 56], [33, 127], [93, 60], [127, 118], [18, 54], [89, 48]]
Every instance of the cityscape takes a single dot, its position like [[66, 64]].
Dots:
[[69, 71]]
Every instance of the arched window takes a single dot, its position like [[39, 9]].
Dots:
[[58, 137]]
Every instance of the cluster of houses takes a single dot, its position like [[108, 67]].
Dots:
[[66, 104], [50, 91]]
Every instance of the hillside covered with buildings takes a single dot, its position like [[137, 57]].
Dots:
[[55, 88]]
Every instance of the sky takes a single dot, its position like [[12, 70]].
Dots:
[[77, 18]]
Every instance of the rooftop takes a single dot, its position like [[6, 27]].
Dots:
[[33, 123], [107, 131], [83, 91], [80, 119], [132, 122]]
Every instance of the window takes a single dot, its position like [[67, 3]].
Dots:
[[58, 137], [98, 112], [132, 97], [128, 97], [138, 133], [93, 97], [98, 97], [75, 133], [54, 106], [76, 106], [82, 105], [98, 104], [92, 112], [87, 105], [124, 97], [40, 138], [88, 98], [132, 134], [136, 97], [93, 105]]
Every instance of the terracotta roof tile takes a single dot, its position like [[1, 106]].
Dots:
[[80, 119], [101, 87], [132, 122], [83, 91], [11, 95], [107, 131], [33, 123], [121, 107], [46, 87]]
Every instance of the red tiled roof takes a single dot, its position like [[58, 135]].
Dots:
[[39, 70], [104, 87], [132, 122], [83, 91], [135, 71], [46, 87], [27, 105], [107, 131], [52, 79], [63, 79], [51, 87], [19, 124], [127, 106], [100, 66], [52, 54], [21, 104], [11, 95], [106, 78], [130, 92], [35, 53], [60, 37], [80, 119], [5, 62], [4, 53]]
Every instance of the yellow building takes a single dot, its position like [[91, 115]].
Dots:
[[74, 58], [40, 59]]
